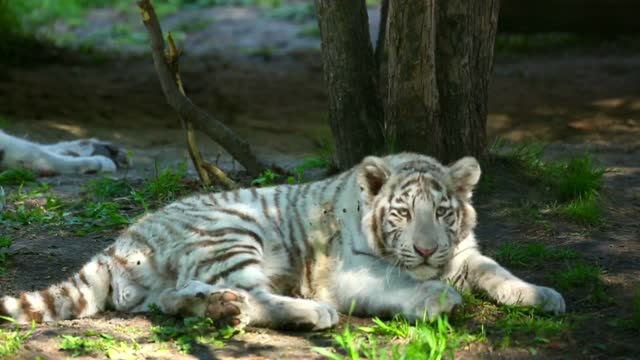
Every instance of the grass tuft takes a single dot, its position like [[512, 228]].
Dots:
[[576, 178], [585, 210], [11, 340], [16, 177], [531, 255], [186, 332], [5, 243], [108, 188], [266, 178], [635, 317], [98, 343], [167, 184], [578, 274], [575, 183], [424, 340]]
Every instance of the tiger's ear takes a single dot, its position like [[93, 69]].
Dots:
[[464, 175], [372, 175]]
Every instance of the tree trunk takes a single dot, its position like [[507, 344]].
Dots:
[[413, 108], [355, 111], [440, 60]]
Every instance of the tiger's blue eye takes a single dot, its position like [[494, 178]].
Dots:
[[440, 211]]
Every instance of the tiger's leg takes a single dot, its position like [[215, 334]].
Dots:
[[472, 270], [257, 307], [226, 306], [277, 311], [375, 288], [90, 148], [20, 153]]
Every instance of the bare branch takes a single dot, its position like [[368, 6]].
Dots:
[[204, 169], [187, 110]]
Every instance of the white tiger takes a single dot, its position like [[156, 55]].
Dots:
[[83, 156], [393, 235]]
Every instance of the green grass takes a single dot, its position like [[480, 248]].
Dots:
[[109, 188], [11, 340], [508, 325], [585, 210], [4, 122], [532, 255], [578, 274], [93, 343], [635, 316], [24, 214], [574, 183], [296, 12], [397, 339], [166, 184], [16, 177], [572, 273], [576, 179], [536, 43], [265, 53], [266, 178], [309, 31], [529, 43], [186, 332], [99, 216], [39, 206], [5, 243], [539, 328], [269, 177]]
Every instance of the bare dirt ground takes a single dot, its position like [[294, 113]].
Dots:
[[579, 100]]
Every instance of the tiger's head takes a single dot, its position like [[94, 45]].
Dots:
[[416, 210]]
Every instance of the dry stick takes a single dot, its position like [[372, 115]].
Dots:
[[217, 131], [222, 177], [203, 168], [173, 59]]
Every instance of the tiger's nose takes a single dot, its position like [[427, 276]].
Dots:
[[426, 253]]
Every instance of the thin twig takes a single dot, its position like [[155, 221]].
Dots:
[[187, 110], [173, 59]]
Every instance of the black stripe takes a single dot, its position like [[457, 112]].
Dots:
[[236, 267], [220, 232], [212, 197], [240, 214], [223, 257], [298, 221]]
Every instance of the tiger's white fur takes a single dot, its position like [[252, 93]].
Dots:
[[394, 235], [69, 157]]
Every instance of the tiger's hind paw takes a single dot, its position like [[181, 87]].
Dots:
[[110, 151], [227, 307]]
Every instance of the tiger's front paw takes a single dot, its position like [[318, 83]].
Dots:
[[525, 294], [98, 164], [112, 152], [435, 298], [309, 314]]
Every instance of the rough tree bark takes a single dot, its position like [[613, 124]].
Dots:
[[216, 130], [355, 110], [440, 60]]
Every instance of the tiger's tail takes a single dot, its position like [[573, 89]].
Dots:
[[83, 294]]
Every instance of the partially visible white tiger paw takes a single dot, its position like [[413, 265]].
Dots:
[[97, 164], [227, 307], [525, 294], [115, 154], [435, 298], [309, 314]]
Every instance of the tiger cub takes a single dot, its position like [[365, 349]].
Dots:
[[394, 235], [83, 156]]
